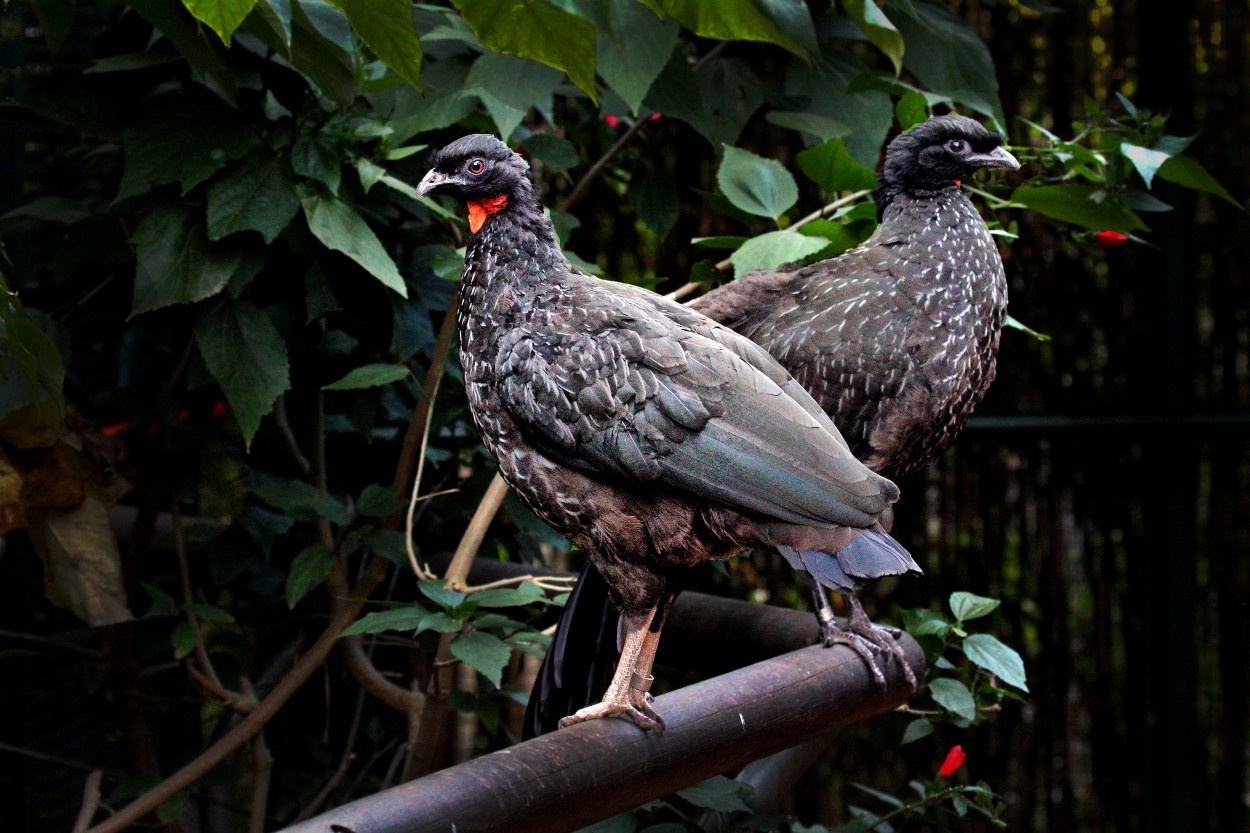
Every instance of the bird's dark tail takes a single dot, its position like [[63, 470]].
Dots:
[[870, 555], [583, 654]]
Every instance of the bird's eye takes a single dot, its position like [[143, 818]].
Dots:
[[475, 166], [956, 145]]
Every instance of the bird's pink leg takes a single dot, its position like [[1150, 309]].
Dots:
[[627, 694]]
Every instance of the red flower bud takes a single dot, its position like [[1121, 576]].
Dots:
[[954, 760], [612, 121], [654, 117], [1110, 239]]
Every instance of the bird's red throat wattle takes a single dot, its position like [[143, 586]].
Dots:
[[479, 210]]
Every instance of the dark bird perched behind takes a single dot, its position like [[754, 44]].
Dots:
[[896, 339], [649, 435]]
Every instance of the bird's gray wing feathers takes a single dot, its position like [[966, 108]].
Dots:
[[625, 389]]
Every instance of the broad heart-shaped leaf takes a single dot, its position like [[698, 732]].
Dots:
[[524, 593], [81, 562], [833, 168], [222, 16], [324, 61], [912, 108], [654, 196], [539, 31], [386, 28], [176, 263], [405, 619], [733, 20], [508, 87], [184, 139], [484, 652], [717, 102], [1189, 172], [872, 21], [773, 249], [967, 606], [717, 793], [1146, 161], [259, 195], [553, 151], [954, 696], [302, 501], [337, 225], [308, 569], [949, 57], [247, 357], [1077, 204], [756, 185], [633, 49], [370, 376], [997, 658], [864, 118]]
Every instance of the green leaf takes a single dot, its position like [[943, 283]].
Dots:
[[377, 501], [967, 606], [308, 570], [759, 186], [525, 593], [325, 62], [175, 263], [539, 31], [259, 195], [1189, 173], [183, 31], [439, 622], [553, 151], [916, 730], [484, 652], [862, 119], [31, 350], [873, 23], [912, 109], [717, 102], [814, 125], [954, 696], [837, 237], [247, 357], [949, 57], [56, 18], [1078, 204], [301, 500], [508, 87], [184, 139], [183, 640], [163, 604], [654, 197], [436, 592], [1000, 660], [733, 20], [833, 168], [222, 16], [633, 49], [717, 793], [1146, 161], [370, 376], [386, 28], [337, 225], [406, 619], [892, 800], [313, 157], [1015, 324], [208, 613], [776, 248]]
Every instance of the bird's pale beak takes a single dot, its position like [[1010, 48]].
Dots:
[[997, 158], [430, 181]]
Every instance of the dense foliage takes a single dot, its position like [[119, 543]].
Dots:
[[234, 315]]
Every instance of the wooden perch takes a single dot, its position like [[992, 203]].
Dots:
[[591, 771]]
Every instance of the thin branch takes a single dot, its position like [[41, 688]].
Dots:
[[262, 768], [579, 190], [458, 571], [552, 584], [184, 573], [361, 667], [344, 612], [90, 801], [283, 424], [43, 640]]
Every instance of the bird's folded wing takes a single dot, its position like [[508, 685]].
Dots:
[[647, 399]]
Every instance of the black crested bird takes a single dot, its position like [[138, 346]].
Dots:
[[649, 435], [896, 339]]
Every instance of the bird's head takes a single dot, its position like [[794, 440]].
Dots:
[[942, 151], [482, 171]]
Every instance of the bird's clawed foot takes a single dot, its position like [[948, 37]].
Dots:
[[634, 704], [868, 640]]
